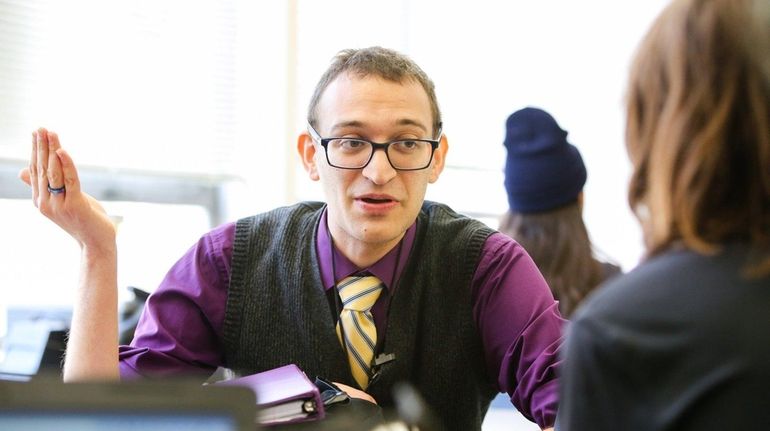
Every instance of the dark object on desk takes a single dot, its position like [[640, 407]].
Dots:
[[355, 415], [130, 313], [412, 412], [330, 393], [47, 403], [284, 395], [412, 408]]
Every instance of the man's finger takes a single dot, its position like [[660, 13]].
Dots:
[[55, 179], [33, 168], [24, 175], [70, 173], [42, 163]]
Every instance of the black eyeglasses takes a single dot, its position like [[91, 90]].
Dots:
[[356, 153]]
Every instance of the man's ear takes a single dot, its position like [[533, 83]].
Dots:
[[439, 158], [307, 149]]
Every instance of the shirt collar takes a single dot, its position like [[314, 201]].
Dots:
[[382, 269]]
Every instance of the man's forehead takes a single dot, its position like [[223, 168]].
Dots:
[[347, 100]]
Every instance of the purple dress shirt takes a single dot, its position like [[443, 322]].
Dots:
[[518, 320]]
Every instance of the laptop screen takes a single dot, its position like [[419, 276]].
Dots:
[[116, 406], [115, 421]]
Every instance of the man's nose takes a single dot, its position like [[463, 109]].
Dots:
[[379, 170]]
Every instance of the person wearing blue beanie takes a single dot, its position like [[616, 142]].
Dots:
[[542, 170], [544, 180]]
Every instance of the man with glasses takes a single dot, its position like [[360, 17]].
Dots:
[[454, 308]]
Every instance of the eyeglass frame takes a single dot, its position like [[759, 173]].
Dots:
[[434, 143]]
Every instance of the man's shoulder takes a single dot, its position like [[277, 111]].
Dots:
[[431, 207], [449, 230], [303, 207], [299, 217], [436, 211]]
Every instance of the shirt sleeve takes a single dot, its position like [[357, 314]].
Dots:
[[180, 330], [520, 326]]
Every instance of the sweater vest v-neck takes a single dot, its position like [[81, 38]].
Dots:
[[278, 313]]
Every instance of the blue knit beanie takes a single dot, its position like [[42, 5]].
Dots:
[[542, 170]]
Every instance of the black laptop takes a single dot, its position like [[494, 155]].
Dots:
[[49, 404]]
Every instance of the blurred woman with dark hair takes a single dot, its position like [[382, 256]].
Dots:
[[683, 341], [544, 178]]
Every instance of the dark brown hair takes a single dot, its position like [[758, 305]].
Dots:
[[558, 242], [375, 61], [698, 128]]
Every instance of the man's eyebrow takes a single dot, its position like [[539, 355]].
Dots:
[[410, 122], [345, 124], [360, 124]]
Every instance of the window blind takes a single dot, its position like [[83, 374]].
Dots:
[[148, 85]]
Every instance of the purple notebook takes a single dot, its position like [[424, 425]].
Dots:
[[284, 395]]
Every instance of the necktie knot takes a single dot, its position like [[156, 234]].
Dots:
[[359, 293]]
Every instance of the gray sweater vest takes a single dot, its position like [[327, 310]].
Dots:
[[277, 312]]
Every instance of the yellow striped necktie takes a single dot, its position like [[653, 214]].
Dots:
[[358, 294]]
